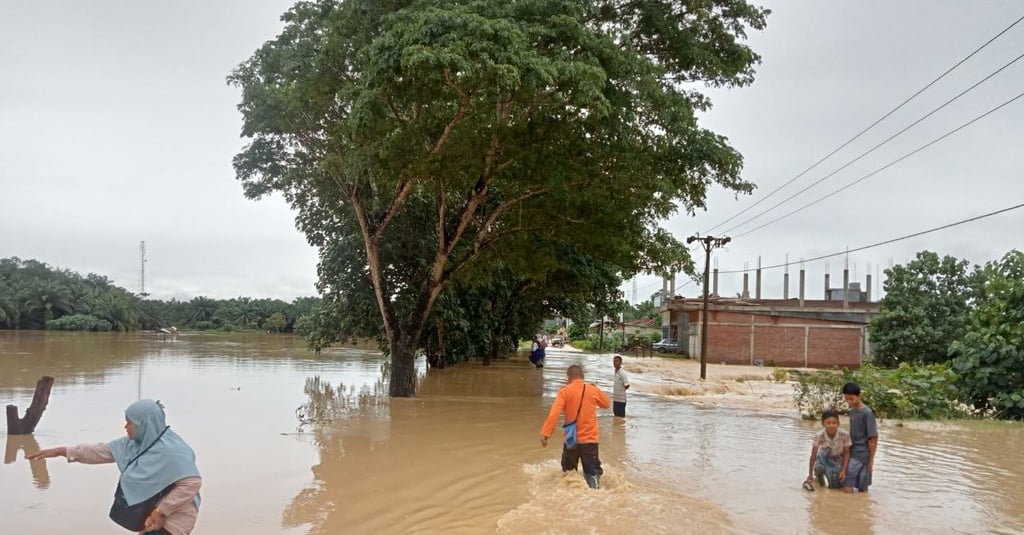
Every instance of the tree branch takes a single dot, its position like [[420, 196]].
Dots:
[[374, 264], [399, 199], [441, 213], [464, 103]]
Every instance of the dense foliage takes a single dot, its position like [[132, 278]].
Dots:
[[990, 357], [925, 391], [34, 295], [924, 310], [956, 334]]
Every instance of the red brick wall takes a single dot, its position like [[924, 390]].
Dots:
[[834, 347], [783, 345], [781, 340]]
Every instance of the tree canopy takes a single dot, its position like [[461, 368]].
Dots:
[[924, 310], [941, 320], [417, 139], [990, 357]]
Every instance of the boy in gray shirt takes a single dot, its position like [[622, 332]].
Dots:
[[864, 435]]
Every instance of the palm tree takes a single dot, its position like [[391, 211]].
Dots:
[[49, 300], [248, 312], [202, 308], [118, 311], [9, 314]]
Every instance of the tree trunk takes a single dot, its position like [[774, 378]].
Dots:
[[403, 369], [442, 351], [27, 425], [493, 353]]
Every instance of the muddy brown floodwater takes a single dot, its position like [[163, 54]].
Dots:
[[464, 456]]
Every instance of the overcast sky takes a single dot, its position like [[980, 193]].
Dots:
[[116, 126]]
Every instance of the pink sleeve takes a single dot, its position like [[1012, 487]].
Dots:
[[181, 495], [90, 454]]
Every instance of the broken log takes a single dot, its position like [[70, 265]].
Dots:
[[27, 424]]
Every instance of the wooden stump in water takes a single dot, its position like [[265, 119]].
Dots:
[[27, 425]]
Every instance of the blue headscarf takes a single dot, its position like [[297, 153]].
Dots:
[[167, 461]]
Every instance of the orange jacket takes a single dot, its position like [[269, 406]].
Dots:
[[568, 400]]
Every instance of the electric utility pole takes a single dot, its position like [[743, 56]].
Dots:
[[709, 243]]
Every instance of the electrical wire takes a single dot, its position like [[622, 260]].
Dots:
[[887, 242], [884, 167], [872, 125]]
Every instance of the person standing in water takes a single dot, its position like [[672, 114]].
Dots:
[[579, 402], [163, 461], [620, 383], [864, 436]]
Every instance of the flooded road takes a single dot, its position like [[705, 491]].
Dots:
[[464, 456]]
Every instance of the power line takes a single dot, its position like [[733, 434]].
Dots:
[[872, 125], [884, 167], [887, 242], [872, 149]]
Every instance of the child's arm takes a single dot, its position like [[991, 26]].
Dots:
[[872, 446], [810, 468], [846, 462]]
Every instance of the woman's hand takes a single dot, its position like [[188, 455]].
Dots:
[[154, 521], [60, 451]]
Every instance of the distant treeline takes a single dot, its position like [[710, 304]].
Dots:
[[34, 295]]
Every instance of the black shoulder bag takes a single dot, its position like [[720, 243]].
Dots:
[[133, 517]]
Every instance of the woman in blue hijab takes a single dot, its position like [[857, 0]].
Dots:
[[162, 461]]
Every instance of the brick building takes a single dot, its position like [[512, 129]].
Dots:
[[784, 332]]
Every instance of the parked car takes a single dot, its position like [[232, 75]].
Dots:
[[556, 341], [667, 345]]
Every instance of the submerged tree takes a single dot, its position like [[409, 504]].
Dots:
[[427, 133]]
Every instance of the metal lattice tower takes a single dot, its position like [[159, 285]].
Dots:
[[142, 269]]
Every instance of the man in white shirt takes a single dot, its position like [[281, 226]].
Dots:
[[620, 385]]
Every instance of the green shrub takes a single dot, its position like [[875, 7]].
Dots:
[[79, 322], [909, 391], [593, 343], [780, 375], [817, 391]]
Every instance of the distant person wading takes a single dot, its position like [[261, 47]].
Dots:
[[537, 351], [159, 480]]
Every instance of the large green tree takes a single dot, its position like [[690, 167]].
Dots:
[[990, 357], [451, 126], [925, 309]]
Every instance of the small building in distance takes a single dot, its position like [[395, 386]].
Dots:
[[784, 332]]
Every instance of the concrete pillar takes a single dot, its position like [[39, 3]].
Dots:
[[714, 282], [664, 290], [785, 285], [757, 283], [846, 288], [803, 280], [868, 289], [746, 285], [826, 286], [672, 287]]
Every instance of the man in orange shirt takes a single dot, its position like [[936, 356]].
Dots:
[[579, 402]]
